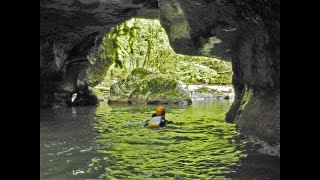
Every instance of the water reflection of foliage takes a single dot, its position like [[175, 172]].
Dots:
[[199, 145]]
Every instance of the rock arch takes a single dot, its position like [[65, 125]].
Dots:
[[247, 32]]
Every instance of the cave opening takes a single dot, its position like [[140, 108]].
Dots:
[[84, 49], [142, 46]]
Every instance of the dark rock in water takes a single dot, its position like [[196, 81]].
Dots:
[[118, 100], [143, 86], [85, 97]]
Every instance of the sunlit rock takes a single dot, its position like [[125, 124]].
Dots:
[[143, 86]]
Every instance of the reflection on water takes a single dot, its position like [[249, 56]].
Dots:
[[199, 144], [108, 142]]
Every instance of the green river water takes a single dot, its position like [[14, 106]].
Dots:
[[111, 142]]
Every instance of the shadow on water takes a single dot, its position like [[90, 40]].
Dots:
[[108, 142]]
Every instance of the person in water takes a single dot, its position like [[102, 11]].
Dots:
[[158, 118]]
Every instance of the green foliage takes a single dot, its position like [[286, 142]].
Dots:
[[195, 73], [137, 43], [143, 43], [199, 70], [196, 69]]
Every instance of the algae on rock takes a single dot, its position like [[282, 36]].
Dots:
[[143, 86]]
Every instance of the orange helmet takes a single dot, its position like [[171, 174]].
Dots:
[[160, 111]]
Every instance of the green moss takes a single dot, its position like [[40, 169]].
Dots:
[[246, 98], [137, 76], [115, 89], [206, 50], [140, 72], [205, 90], [161, 84], [142, 85], [131, 82], [173, 15], [201, 70], [139, 44], [208, 92], [179, 30], [97, 92], [158, 88]]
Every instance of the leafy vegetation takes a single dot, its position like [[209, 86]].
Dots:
[[143, 43]]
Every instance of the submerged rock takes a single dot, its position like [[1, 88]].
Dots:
[[143, 86], [85, 97]]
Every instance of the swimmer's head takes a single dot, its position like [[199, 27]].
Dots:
[[160, 111]]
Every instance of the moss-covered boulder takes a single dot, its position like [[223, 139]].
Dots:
[[124, 87], [143, 86], [160, 89]]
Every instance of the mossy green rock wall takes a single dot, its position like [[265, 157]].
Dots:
[[143, 86]]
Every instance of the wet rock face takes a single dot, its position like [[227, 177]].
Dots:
[[247, 32], [200, 27]]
